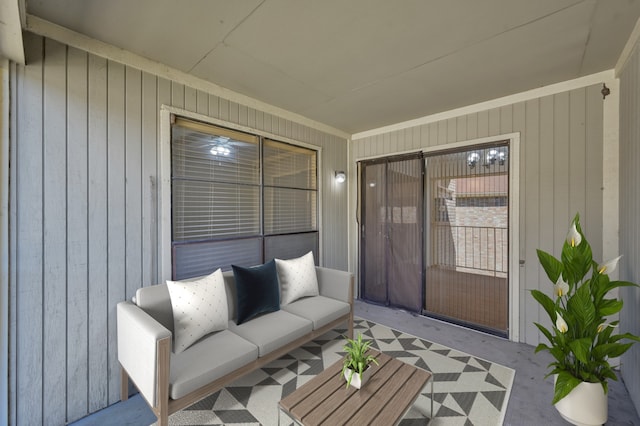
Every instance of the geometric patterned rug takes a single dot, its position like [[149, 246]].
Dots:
[[467, 390]]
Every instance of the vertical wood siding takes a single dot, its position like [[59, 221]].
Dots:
[[84, 216], [560, 174], [629, 218]]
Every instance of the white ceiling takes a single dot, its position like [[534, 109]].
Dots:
[[361, 64]]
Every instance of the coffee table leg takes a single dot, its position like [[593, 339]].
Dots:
[[280, 411]]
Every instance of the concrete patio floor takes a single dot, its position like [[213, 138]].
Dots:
[[529, 403]]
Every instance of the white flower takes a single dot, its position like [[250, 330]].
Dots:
[[608, 267], [561, 325], [573, 237], [560, 288], [605, 325]]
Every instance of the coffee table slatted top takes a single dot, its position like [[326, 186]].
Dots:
[[391, 390]]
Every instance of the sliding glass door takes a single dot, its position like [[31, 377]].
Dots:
[[434, 234], [467, 227], [391, 235]]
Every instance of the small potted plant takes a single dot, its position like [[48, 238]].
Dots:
[[581, 339], [356, 362]]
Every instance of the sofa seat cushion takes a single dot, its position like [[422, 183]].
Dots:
[[320, 310], [212, 357], [273, 330]]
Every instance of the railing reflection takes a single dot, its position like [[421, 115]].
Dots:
[[476, 249]]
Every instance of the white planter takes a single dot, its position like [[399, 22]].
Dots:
[[358, 380], [586, 405]]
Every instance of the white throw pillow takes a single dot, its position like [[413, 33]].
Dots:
[[199, 308], [297, 278]]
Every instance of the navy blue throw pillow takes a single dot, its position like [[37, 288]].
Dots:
[[257, 290]]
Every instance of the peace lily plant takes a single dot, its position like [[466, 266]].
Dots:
[[581, 339]]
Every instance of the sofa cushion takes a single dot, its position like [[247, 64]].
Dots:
[[297, 278], [273, 330], [211, 358], [199, 308], [257, 290], [319, 310]]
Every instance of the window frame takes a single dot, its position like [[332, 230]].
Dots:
[[164, 199]]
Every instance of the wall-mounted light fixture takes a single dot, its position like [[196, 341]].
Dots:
[[341, 177]]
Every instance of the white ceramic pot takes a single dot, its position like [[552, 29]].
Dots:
[[358, 380], [586, 405]]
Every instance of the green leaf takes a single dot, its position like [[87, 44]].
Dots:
[[557, 353], [581, 306], [546, 303], [551, 265], [630, 336], [541, 347], [599, 284], [616, 284], [576, 260], [609, 307], [610, 350], [565, 383], [544, 331], [581, 349]]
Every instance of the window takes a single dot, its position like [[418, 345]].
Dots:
[[238, 199]]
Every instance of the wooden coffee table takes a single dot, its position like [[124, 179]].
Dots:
[[391, 390]]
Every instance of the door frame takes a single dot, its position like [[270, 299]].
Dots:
[[514, 215]]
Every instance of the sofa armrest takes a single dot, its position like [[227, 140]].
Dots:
[[335, 284], [139, 339]]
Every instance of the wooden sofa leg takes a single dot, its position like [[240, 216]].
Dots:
[[163, 420], [124, 384], [163, 349]]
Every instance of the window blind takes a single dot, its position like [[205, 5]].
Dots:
[[239, 199], [215, 182], [290, 188]]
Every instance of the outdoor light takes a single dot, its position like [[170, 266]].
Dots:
[[341, 177], [487, 160], [494, 155], [472, 159]]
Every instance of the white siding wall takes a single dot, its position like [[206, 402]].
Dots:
[[84, 216], [629, 217], [560, 174]]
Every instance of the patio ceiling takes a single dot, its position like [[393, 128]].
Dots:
[[361, 64]]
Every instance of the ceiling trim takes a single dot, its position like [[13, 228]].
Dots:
[[628, 48], [604, 76], [11, 45], [66, 36]]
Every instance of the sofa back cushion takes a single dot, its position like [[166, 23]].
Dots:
[[155, 301], [230, 283]]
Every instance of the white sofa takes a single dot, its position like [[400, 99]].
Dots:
[[170, 382]]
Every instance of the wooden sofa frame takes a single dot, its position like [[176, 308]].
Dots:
[[166, 406]]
